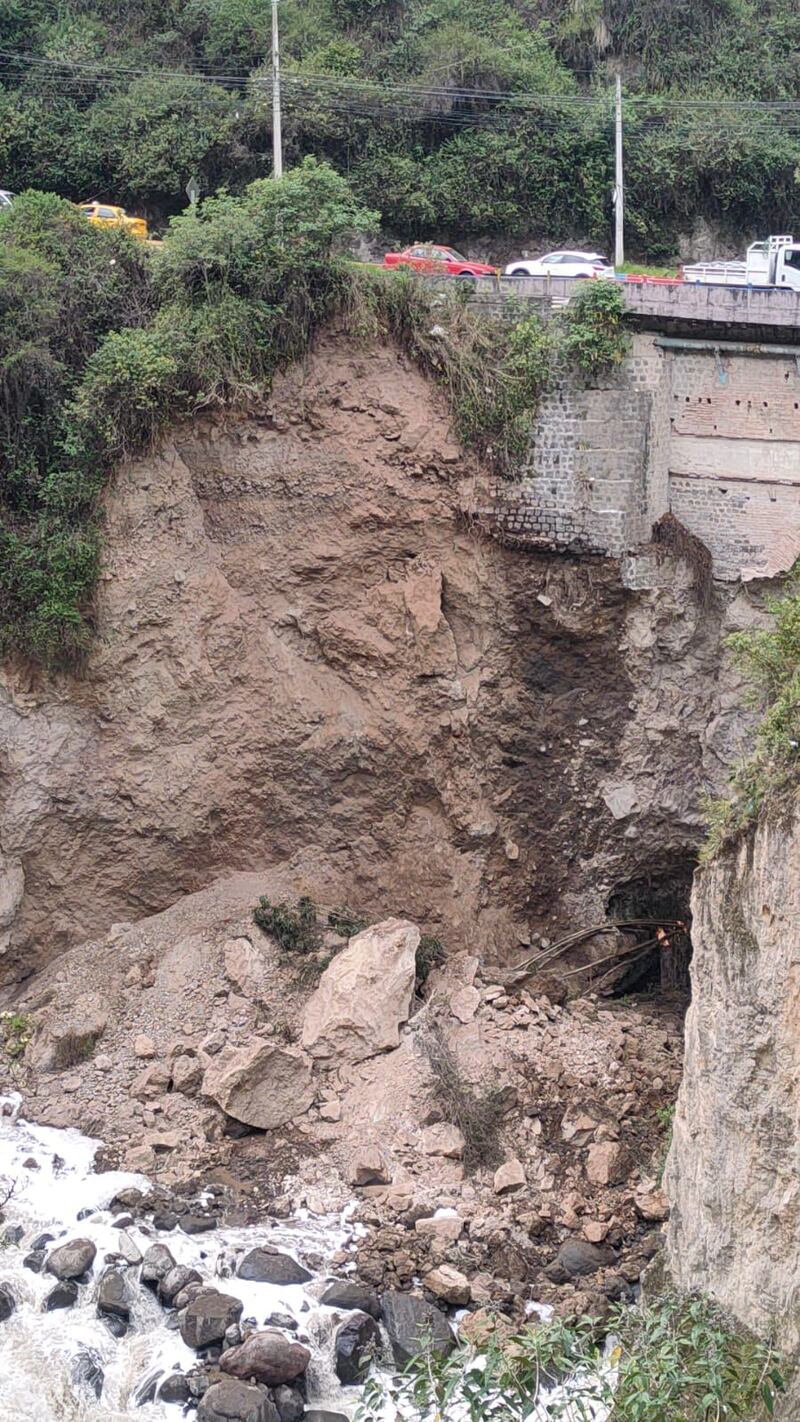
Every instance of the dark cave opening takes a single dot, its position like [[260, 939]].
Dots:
[[655, 907]]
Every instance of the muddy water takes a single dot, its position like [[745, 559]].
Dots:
[[45, 1357]]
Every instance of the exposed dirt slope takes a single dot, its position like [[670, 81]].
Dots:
[[306, 659]]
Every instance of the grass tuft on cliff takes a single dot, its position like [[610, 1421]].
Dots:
[[770, 657]]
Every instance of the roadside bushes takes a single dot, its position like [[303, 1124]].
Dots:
[[771, 660], [104, 341]]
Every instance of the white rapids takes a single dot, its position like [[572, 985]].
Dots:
[[39, 1351]]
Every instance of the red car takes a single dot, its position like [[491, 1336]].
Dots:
[[438, 260]]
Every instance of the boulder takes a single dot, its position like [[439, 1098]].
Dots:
[[446, 1227], [72, 1260], [651, 1204], [245, 966], [187, 1073], [175, 1280], [232, 1401], [443, 1139], [449, 1284], [577, 1257], [267, 1356], [207, 1316], [129, 1251], [289, 1402], [605, 1163], [7, 1302], [484, 1327], [114, 1296], [349, 1294], [174, 1388], [269, 1266], [156, 1264], [364, 995], [369, 1167], [263, 1085], [62, 1295], [353, 1347], [510, 1176], [412, 1324]]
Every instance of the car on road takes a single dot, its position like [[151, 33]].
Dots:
[[105, 214], [563, 264], [434, 260]]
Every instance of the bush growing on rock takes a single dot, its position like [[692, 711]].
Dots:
[[295, 929], [675, 1359]]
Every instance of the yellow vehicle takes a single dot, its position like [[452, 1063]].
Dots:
[[105, 215]]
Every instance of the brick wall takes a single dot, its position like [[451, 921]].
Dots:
[[714, 438]]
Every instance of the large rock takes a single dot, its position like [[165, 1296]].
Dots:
[[72, 1260], [262, 1084], [114, 1296], [232, 1401], [157, 1263], [412, 1324], [577, 1257], [350, 1294], [353, 1347], [207, 1317], [175, 1280], [364, 995], [67, 1037], [269, 1266], [268, 1356], [449, 1285], [732, 1172], [7, 1302]]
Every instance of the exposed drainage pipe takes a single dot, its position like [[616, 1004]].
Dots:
[[758, 348]]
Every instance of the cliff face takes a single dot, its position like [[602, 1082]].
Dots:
[[306, 660], [733, 1174]]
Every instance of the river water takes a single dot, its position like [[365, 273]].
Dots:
[[40, 1351], [44, 1354]]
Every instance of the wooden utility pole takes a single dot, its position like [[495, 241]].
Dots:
[[619, 189], [277, 142]]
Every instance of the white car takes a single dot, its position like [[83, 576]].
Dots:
[[6, 198], [563, 264]]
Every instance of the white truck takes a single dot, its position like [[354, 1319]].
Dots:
[[775, 262]]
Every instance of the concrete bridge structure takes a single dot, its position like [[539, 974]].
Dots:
[[702, 420]]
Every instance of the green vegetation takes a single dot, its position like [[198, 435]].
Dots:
[[129, 102], [102, 342], [16, 1030], [430, 952], [771, 659], [345, 922], [665, 1116], [295, 929], [594, 337], [676, 1359]]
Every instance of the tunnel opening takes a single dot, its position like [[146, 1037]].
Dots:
[[655, 909]]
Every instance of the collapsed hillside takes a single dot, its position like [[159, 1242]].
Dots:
[[307, 659]]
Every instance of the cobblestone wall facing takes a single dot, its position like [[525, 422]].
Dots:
[[713, 437]]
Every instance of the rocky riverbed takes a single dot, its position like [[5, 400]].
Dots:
[[115, 1307]]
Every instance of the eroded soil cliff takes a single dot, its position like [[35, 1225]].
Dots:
[[306, 659]]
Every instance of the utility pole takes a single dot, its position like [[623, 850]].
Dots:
[[619, 190], [277, 143]]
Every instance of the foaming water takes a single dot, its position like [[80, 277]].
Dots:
[[47, 1360]]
